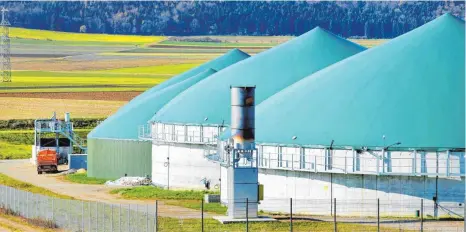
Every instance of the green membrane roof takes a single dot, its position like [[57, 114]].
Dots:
[[208, 102], [409, 90], [125, 122]]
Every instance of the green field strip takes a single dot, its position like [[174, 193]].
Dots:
[[74, 90], [170, 69], [214, 44], [82, 74], [35, 42], [45, 35]]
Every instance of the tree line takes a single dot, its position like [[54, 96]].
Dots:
[[370, 19]]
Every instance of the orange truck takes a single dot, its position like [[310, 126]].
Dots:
[[47, 161]]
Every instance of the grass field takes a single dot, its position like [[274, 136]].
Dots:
[[34, 79], [212, 44], [16, 144], [185, 198], [82, 37], [27, 108], [82, 178], [162, 70]]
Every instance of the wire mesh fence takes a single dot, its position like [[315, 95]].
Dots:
[[195, 215]]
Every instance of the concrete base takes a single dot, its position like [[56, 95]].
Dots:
[[226, 219]]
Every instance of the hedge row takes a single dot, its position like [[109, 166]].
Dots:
[[28, 124]]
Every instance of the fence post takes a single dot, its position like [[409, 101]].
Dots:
[[156, 213], [422, 215], [89, 212], [37, 205], [378, 215], [27, 206], [247, 214], [82, 215], [335, 214], [119, 219], [97, 216], [291, 214], [202, 215], [103, 216], [111, 220]]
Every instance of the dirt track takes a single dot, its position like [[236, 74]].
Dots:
[[109, 96]]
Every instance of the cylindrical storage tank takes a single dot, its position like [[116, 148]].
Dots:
[[242, 117]]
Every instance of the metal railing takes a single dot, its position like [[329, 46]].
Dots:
[[171, 133], [412, 164]]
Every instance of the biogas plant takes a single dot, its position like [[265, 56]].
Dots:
[[317, 117]]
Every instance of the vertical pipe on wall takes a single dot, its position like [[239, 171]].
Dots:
[[291, 214], [335, 214], [247, 215], [448, 162]]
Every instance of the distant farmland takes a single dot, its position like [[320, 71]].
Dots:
[[87, 65]]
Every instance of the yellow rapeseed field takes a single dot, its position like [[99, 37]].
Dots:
[[66, 36]]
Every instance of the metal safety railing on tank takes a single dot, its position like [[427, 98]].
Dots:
[[170, 133], [144, 132], [448, 164]]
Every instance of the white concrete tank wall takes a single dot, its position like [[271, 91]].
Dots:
[[400, 195], [184, 166]]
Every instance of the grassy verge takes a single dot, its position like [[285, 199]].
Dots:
[[150, 192], [31, 224], [82, 178], [184, 198], [14, 183], [172, 224]]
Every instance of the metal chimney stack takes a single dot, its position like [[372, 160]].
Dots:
[[242, 117], [242, 180]]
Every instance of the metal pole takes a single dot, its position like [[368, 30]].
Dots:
[[247, 215], [89, 214], [378, 215], [129, 212], [119, 218], [97, 216], [202, 215], [422, 215], [82, 215], [156, 218], [37, 206], [335, 214], [147, 218], [111, 220], [103, 216], [291, 214], [27, 206]]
